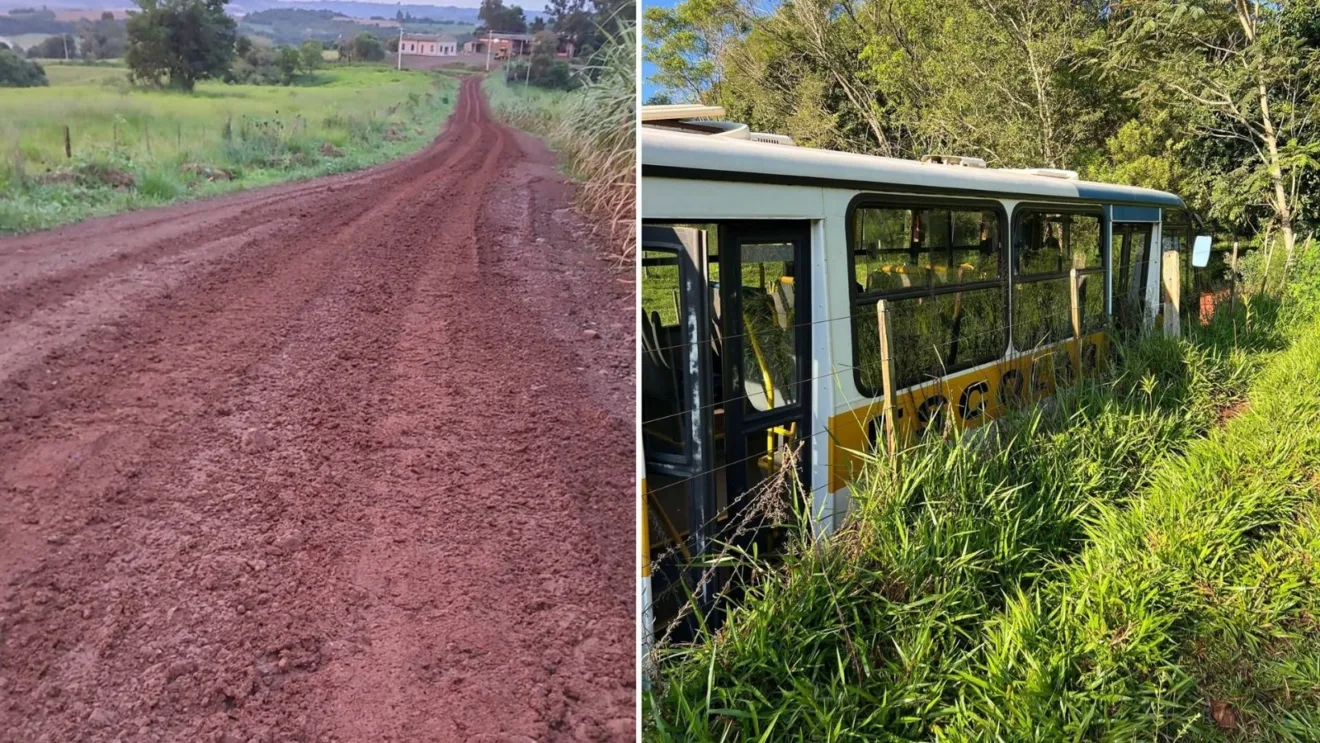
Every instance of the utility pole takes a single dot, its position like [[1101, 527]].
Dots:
[[400, 36], [488, 42]]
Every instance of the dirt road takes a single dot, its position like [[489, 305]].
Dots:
[[331, 461]]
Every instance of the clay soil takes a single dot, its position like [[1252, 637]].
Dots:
[[330, 461]]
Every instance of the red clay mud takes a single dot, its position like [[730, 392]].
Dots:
[[330, 461]]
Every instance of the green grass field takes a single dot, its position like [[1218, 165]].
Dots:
[[173, 146], [533, 109]]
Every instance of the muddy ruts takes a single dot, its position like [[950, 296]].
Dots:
[[298, 464]]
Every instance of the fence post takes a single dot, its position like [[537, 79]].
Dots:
[[1232, 279], [887, 378], [1075, 298], [68, 146], [1171, 278]]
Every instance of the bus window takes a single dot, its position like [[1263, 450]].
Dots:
[[891, 255], [1131, 250], [1046, 248], [664, 416], [661, 359], [769, 310], [950, 313]]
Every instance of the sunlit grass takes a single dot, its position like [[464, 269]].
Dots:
[[1122, 564]]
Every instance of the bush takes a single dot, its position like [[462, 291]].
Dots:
[[1304, 283], [272, 66], [16, 72], [544, 73]]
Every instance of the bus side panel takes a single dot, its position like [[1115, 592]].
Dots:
[[965, 400]]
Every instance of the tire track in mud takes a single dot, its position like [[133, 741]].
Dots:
[[323, 485]]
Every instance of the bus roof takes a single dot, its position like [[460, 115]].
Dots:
[[678, 154]]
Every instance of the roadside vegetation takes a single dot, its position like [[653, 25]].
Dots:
[[1135, 560], [592, 126], [136, 147]]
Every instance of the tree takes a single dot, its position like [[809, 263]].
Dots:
[[496, 17], [242, 46], [687, 43], [102, 39], [16, 72], [994, 78], [311, 56], [289, 62], [1246, 74], [367, 48], [182, 40], [573, 21]]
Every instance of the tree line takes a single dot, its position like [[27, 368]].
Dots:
[[1215, 100], [587, 24], [103, 38]]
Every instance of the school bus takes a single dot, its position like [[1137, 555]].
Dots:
[[763, 265]]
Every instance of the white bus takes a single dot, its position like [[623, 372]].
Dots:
[[976, 267]]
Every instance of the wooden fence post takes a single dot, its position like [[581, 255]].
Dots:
[[1075, 299], [1171, 278], [68, 146], [1232, 279], [887, 379]]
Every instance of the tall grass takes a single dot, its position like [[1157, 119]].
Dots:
[[162, 146], [594, 128], [952, 605]]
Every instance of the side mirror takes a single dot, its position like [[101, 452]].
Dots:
[[1201, 251]]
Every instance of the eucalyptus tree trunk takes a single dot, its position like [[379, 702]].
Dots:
[[1283, 210]]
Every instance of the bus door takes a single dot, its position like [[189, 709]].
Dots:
[[677, 407], [725, 372], [764, 402], [1131, 251]]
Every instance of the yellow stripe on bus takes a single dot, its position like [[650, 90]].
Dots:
[[968, 399]]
